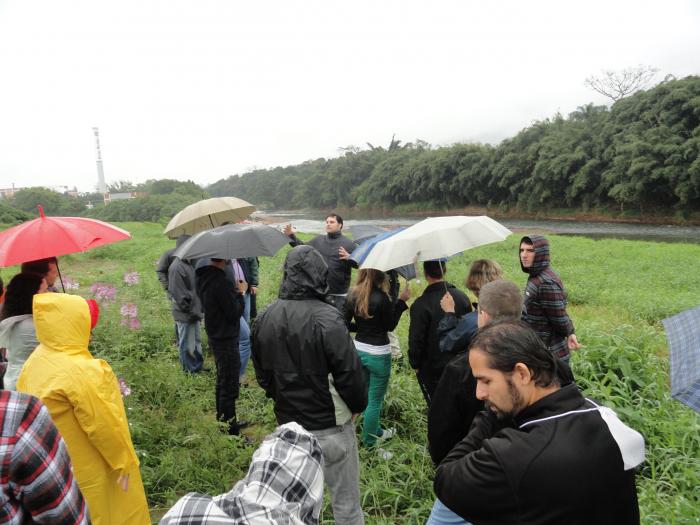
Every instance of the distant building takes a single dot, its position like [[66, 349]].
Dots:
[[109, 197], [8, 192]]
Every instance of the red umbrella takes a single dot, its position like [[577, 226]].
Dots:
[[55, 236]]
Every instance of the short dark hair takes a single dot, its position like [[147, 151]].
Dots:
[[40, 266], [502, 300], [337, 217], [508, 343], [20, 293], [435, 269]]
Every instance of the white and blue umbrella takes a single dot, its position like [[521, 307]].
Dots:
[[433, 239], [360, 253], [683, 334]]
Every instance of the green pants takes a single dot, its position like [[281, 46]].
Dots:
[[377, 369]]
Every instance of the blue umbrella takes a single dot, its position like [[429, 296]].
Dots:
[[358, 256], [683, 334]]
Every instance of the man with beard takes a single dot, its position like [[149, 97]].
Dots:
[[335, 248], [541, 452]]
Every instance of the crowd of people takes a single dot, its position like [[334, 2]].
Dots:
[[512, 438]]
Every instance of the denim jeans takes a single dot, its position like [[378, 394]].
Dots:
[[246, 309], [189, 344], [341, 470], [377, 369], [244, 345], [228, 364], [441, 515]]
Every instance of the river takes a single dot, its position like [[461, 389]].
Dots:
[[312, 222]]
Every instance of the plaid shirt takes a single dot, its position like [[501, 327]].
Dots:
[[284, 485], [36, 477]]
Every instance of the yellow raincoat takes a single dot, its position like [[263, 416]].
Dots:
[[82, 395]]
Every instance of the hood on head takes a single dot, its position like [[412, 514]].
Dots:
[[305, 274], [62, 321], [541, 262]]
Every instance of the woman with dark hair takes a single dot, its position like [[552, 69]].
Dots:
[[374, 315], [17, 333]]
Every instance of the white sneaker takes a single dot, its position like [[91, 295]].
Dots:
[[385, 454], [387, 433]]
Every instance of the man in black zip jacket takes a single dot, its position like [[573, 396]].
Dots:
[[305, 360], [223, 306], [423, 339], [541, 453]]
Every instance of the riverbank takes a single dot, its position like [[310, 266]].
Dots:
[[562, 214]]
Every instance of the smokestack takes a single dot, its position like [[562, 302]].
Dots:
[[101, 184]]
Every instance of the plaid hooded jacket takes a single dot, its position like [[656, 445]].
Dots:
[[544, 307], [284, 485]]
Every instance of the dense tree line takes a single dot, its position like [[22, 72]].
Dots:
[[641, 154]]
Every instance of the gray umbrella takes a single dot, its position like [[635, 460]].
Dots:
[[233, 241]]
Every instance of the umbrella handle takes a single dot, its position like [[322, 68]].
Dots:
[[60, 277]]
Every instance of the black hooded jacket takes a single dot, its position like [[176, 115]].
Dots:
[[304, 357]]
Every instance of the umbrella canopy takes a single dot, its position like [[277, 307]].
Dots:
[[362, 232], [233, 241], [365, 248], [55, 236], [683, 334], [434, 238], [207, 214]]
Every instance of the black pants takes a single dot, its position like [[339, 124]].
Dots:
[[228, 367], [428, 383]]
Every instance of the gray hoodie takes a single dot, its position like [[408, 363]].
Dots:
[[17, 335]]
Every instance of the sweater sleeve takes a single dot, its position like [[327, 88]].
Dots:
[[391, 312]]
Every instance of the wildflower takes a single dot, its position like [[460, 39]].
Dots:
[[104, 293], [131, 278], [124, 388], [129, 310]]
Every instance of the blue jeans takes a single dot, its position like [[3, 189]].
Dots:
[[441, 515], [246, 310], [189, 344], [341, 472], [244, 346]]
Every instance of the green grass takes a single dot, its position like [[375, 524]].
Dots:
[[618, 291]]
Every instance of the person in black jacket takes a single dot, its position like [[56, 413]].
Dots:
[[375, 314], [423, 339], [335, 248], [305, 360], [454, 403], [541, 453], [223, 306]]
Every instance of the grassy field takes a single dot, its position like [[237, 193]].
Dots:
[[618, 291]]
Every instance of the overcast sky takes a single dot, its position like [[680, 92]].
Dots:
[[205, 89]]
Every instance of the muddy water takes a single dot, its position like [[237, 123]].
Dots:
[[312, 222]]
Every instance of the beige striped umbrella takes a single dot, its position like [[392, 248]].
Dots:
[[207, 214]]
